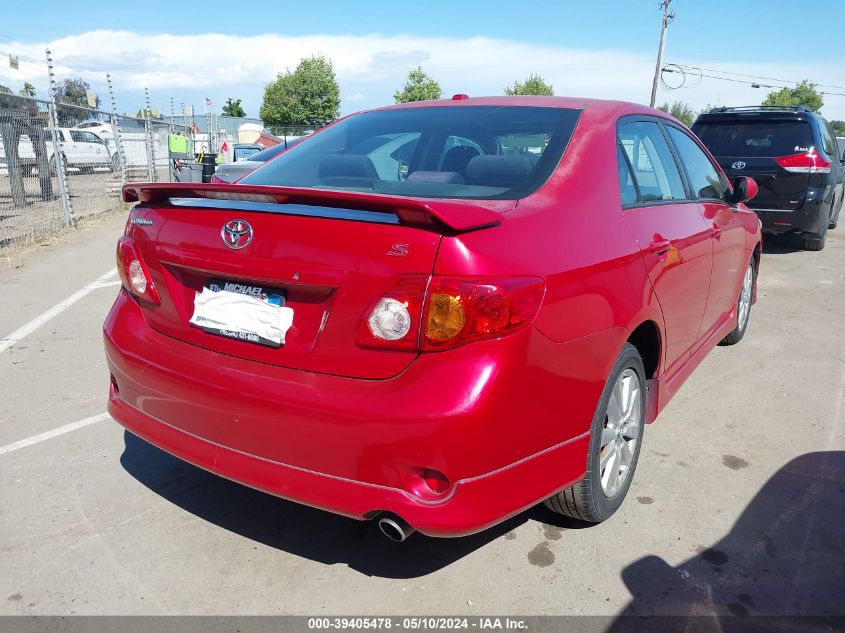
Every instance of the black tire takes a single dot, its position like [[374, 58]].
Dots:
[[735, 336], [814, 242], [586, 500]]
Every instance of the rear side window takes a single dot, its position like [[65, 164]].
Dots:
[[655, 170], [755, 138], [627, 187], [828, 145], [704, 178], [476, 152]]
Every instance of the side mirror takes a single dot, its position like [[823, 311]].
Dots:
[[744, 189]]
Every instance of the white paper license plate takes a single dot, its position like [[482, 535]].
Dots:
[[260, 317]]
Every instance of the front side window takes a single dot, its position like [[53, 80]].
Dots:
[[76, 136], [704, 179], [480, 152], [655, 170]]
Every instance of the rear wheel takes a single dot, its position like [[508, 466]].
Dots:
[[743, 306], [813, 242], [614, 446]]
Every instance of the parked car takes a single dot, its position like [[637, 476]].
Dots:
[[793, 156], [82, 150], [434, 314], [242, 151], [231, 172]]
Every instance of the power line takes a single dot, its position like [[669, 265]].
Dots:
[[682, 69], [727, 72]]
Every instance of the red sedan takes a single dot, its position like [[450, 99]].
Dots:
[[434, 314]]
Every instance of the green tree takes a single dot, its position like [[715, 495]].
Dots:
[[534, 85], [232, 107], [28, 90], [74, 91], [308, 96], [804, 94], [681, 111], [419, 86], [838, 127]]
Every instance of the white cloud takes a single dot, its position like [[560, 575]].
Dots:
[[219, 65]]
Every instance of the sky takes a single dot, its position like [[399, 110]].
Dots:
[[603, 48]]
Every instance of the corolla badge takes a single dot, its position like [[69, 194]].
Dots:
[[738, 165], [236, 234]]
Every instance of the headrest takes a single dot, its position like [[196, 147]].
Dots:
[[347, 166], [444, 177], [498, 171]]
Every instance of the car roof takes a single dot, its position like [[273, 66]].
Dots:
[[757, 112], [599, 106]]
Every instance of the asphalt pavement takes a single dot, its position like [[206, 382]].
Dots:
[[735, 507]]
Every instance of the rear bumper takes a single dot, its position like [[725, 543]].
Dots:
[[346, 445], [473, 504], [810, 217]]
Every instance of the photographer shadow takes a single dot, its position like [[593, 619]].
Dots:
[[784, 558]]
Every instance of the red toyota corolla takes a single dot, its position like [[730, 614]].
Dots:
[[435, 314]]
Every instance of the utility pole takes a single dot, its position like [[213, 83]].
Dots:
[[668, 16]]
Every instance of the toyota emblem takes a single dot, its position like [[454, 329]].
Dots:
[[236, 234], [738, 165]]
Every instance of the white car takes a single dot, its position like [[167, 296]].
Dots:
[[82, 150]]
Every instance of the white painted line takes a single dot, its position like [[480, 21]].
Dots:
[[108, 284], [67, 428], [57, 309]]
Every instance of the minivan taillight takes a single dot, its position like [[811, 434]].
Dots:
[[438, 313], [133, 272], [807, 163]]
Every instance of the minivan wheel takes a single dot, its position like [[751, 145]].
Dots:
[[814, 242], [743, 306], [617, 432]]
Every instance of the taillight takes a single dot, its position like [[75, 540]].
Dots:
[[462, 310], [394, 321], [441, 313], [133, 272], [808, 163]]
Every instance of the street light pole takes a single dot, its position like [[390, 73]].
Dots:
[[668, 16]]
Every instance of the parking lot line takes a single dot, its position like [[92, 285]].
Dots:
[[47, 435], [41, 319]]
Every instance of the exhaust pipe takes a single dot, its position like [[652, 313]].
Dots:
[[395, 528]]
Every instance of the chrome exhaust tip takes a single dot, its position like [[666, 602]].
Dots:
[[395, 528]]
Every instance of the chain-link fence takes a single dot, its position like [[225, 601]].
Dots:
[[60, 163]]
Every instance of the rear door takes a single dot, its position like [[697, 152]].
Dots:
[[674, 238], [750, 147]]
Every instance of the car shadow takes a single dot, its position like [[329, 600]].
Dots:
[[303, 531], [781, 244], [785, 556]]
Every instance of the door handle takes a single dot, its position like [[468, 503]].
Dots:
[[716, 231], [660, 247]]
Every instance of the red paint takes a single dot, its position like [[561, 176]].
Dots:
[[453, 441]]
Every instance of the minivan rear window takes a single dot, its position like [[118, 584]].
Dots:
[[755, 138], [476, 152]]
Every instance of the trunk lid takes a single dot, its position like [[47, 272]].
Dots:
[[332, 255]]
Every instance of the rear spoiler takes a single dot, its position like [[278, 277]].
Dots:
[[454, 215]]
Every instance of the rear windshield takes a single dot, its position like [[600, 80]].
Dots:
[[757, 138], [479, 152]]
